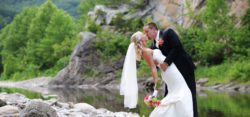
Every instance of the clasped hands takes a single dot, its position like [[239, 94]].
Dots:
[[163, 66]]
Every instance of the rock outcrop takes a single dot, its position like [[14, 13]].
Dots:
[[82, 58], [85, 58]]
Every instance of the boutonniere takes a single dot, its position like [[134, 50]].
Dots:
[[161, 41]]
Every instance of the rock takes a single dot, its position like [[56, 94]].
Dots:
[[202, 81], [63, 105], [234, 87], [216, 86], [8, 110], [38, 109], [139, 14], [51, 102], [226, 86], [15, 99], [81, 58], [124, 114], [104, 15], [78, 114], [248, 89], [2, 103], [107, 80], [63, 112], [83, 107]]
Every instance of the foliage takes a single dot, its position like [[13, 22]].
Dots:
[[27, 93], [226, 72], [214, 41], [10, 8], [208, 37], [112, 44], [38, 40]]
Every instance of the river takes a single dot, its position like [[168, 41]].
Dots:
[[210, 103]]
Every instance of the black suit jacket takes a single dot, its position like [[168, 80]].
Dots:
[[174, 52]]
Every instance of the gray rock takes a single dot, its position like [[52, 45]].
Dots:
[[216, 86], [2, 103], [78, 114], [15, 99], [81, 59], [226, 86], [8, 110], [83, 107], [38, 109], [104, 15], [63, 105], [51, 102], [202, 81]]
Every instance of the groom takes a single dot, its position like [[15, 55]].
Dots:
[[169, 44]]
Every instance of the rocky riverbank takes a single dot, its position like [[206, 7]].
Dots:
[[17, 105], [41, 85]]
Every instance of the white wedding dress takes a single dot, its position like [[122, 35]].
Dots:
[[178, 102]]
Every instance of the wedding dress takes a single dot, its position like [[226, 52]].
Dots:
[[178, 102]]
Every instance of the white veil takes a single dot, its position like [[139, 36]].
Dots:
[[128, 86]]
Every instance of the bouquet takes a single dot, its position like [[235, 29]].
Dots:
[[151, 101]]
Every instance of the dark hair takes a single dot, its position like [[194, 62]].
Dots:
[[152, 25]]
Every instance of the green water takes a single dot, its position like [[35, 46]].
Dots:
[[210, 104]]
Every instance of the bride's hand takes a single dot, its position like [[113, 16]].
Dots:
[[156, 63], [164, 66]]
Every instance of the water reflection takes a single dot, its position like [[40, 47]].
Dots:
[[210, 104]]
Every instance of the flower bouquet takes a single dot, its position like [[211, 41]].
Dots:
[[151, 101]]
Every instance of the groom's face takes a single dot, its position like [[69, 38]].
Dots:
[[151, 33]]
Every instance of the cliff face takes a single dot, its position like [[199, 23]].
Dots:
[[174, 11]]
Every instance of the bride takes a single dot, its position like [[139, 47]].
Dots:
[[178, 102]]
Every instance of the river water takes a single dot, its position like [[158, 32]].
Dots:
[[210, 103]]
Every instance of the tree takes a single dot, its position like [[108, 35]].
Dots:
[[34, 42]]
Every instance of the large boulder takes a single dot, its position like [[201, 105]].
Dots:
[[38, 109], [8, 111], [2, 103], [85, 58], [81, 59]]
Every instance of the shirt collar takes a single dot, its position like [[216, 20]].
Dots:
[[157, 36], [157, 39]]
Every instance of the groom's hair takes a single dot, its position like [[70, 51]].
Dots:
[[152, 25]]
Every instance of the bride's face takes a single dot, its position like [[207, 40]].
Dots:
[[144, 40]]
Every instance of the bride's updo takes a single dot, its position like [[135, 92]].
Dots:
[[136, 39]]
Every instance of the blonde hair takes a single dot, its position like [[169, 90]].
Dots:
[[136, 38]]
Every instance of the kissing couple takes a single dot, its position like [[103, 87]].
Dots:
[[177, 72]]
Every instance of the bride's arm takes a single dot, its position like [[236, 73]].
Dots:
[[147, 55]]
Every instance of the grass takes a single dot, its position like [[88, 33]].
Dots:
[[226, 72]]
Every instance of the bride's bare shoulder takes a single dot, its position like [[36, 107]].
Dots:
[[148, 51]]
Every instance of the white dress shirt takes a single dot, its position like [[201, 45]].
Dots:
[[157, 39]]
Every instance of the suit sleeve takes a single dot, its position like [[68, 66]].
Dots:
[[172, 38]]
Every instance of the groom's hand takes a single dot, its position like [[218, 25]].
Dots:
[[164, 66]]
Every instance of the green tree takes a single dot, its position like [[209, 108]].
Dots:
[[13, 39], [38, 40]]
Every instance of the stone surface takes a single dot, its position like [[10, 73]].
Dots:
[[8, 110], [202, 81], [81, 58], [38, 109], [104, 15], [2, 103], [83, 107]]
